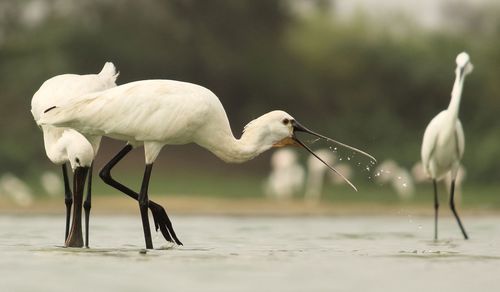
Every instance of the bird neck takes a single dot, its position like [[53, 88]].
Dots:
[[456, 95], [54, 146], [233, 150]]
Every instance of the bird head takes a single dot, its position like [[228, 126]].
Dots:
[[280, 129], [79, 150], [464, 66]]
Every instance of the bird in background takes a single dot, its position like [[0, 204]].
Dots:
[[397, 176], [286, 177], [316, 174], [16, 189], [51, 183], [443, 144], [64, 145], [155, 113]]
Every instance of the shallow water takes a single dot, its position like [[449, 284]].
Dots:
[[250, 253]]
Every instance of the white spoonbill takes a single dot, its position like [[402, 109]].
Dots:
[[66, 145], [155, 113], [443, 144]]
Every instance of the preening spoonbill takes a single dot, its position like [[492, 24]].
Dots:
[[66, 145], [443, 144], [155, 113], [287, 175]]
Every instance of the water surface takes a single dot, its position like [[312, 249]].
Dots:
[[253, 254]]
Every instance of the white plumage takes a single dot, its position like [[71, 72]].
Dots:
[[287, 175], [443, 144], [155, 113], [64, 144]]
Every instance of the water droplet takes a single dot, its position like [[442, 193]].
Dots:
[[348, 158], [367, 168]]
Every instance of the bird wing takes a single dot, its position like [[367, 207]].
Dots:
[[63, 89], [430, 140], [459, 134], [140, 111]]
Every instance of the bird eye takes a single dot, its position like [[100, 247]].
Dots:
[[286, 121]]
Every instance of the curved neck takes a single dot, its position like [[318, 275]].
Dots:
[[456, 94], [225, 146], [239, 150], [54, 146]]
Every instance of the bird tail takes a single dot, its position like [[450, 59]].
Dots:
[[109, 72]]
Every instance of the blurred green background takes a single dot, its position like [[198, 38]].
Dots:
[[369, 73]]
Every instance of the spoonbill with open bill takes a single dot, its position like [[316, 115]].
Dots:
[[155, 113]]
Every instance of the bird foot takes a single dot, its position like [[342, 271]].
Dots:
[[163, 223]]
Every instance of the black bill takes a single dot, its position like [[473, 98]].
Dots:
[[299, 128]]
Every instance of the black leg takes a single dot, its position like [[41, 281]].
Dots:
[[160, 216], [87, 205], [436, 209], [452, 206], [68, 199], [143, 205], [75, 238]]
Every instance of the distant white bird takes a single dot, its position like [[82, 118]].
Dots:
[[343, 168], [399, 178], [17, 190], [51, 183], [443, 144], [316, 174], [287, 175], [418, 173], [155, 113], [66, 145]]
